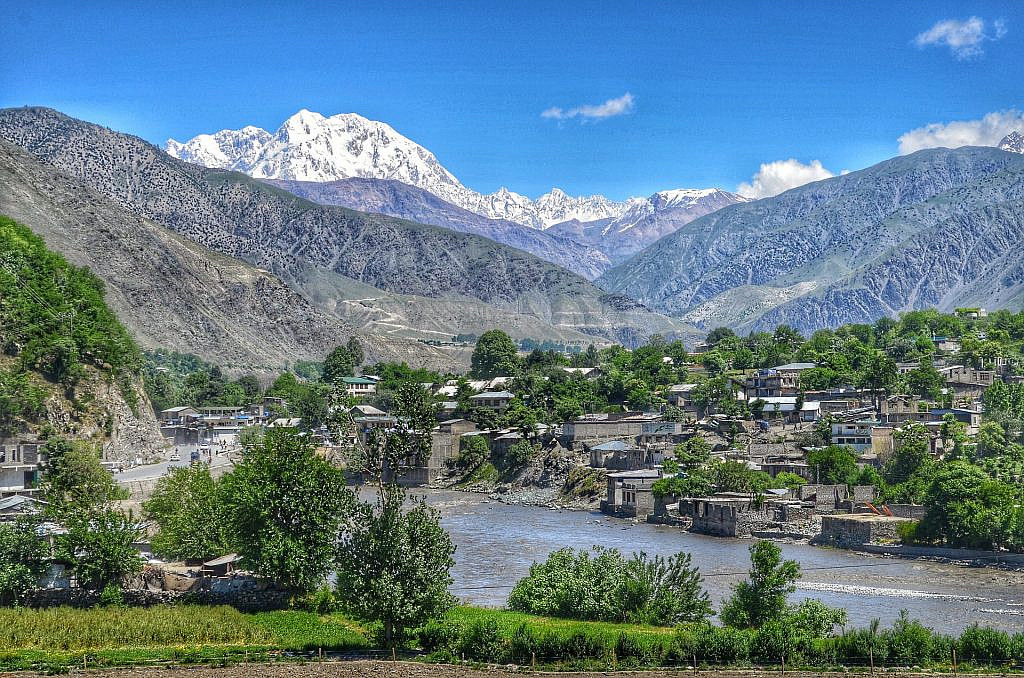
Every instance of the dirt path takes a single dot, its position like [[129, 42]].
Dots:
[[386, 669]]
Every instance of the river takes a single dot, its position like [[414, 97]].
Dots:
[[497, 543]]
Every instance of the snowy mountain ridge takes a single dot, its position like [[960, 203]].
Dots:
[[312, 147]]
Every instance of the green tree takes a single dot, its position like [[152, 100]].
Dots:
[[762, 597], [394, 564], [286, 506], [186, 506], [355, 350], [75, 480], [925, 380], [100, 545], [24, 557], [966, 507], [833, 465], [790, 481], [912, 455], [663, 591], [473, 451], [693, 454], [718, 334], [495, 355], [603, 585], [339, 363]]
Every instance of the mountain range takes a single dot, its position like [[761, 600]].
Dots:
[[937, 228], [377, 273], [310, 154]]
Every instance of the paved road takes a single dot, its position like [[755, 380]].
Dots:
[[154, 471]]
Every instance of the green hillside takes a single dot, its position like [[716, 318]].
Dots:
[[54, 327]]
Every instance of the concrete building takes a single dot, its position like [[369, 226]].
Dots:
[[20, 465], [356, 387], [630, 494], [860, 528], [853, 434], [493, 400], [592, 428], [617, 455], [446, 441]]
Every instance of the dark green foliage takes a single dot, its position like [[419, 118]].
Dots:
[[495, 354], [100, 545], [174, 379], [606, 586], [286, 506], [75, 480], [341, 362], [833, 465], [393, 564], [473, 451], [393, 375], [52, 314], [23, 559], [188, 509], [762, 597]]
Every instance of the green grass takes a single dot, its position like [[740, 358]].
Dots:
[[484, 473], [57, 639]]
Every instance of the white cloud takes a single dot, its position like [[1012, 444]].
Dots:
[[781, 175], [987, 131], [609, 109], [963, 37]]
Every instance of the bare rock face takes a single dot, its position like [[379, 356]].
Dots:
[[938, 228]]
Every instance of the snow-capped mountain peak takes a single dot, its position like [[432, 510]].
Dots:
[[1013, 142], [311, 147]]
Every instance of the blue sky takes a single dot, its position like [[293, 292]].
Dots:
[[715, 91]]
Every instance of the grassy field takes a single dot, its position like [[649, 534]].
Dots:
[[59, 638], [56, 640]]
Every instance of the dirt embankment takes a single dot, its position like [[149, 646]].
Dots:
[[386, 669]]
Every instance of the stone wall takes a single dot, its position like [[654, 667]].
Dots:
[[246, 601], [857, 529], [912, 511]]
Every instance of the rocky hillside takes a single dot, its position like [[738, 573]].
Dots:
[[173, 293], [940, 227], [66, 364], [397, 199], [302, 242]]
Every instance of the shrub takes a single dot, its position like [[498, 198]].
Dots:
[[440, 636], [985, 645], [111, 596], [482, 641], [910, 642]]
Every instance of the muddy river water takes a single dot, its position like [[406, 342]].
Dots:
[[498, 542]]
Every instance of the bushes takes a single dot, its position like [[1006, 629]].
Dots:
[[497, 637], [606, 586]]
